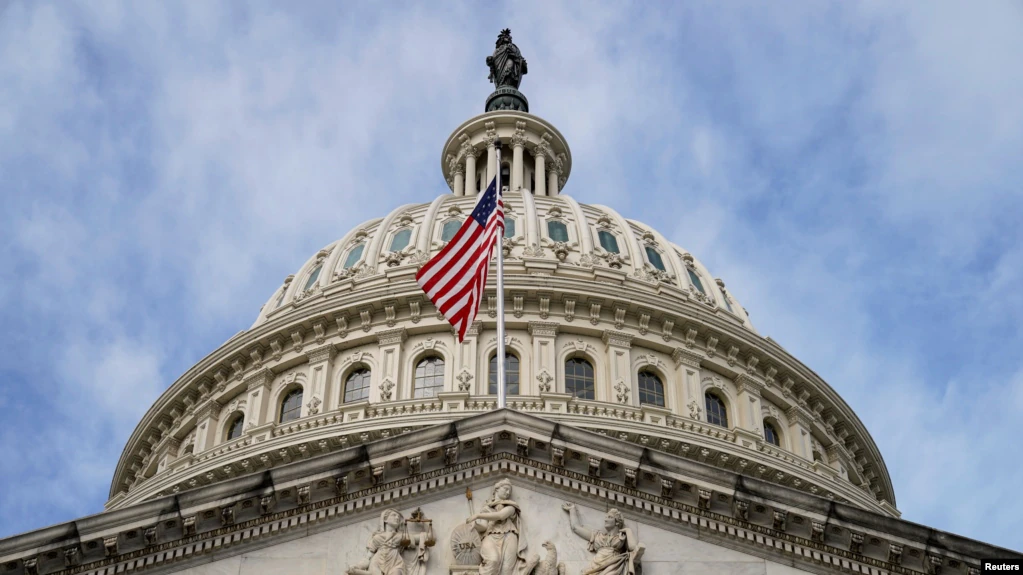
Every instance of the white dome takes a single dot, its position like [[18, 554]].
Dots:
[[349, 350]]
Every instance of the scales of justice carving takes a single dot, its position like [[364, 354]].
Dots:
[[494, 542], [387, 545]]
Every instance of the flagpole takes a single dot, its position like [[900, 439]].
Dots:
[[500, 296]]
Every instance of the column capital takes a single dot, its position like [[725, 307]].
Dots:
[[259, 378], [322, 353], [683, 356], [617, 338], [748, 384], [543, 328], [799, 415], [392, 336]]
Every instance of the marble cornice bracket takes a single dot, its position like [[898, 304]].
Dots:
[[366, 317], [617, 338], [392, 336]]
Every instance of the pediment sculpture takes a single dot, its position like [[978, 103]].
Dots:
[[615, 548], [395, 536]]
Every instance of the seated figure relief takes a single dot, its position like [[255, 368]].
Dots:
[[386, 546]]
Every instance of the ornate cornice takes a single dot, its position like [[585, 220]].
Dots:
[[543, 329], [683, 356], [320, 354], [392, 336]]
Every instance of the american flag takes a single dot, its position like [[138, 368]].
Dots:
[[454, 279]]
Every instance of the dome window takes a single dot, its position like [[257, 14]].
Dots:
[[354, 256], [280, 299], [309, 283], [655, 258], [291, 407], [608, 241], [357, 386], [579, 378], [557, 231], [429, 378], [449, 230], [506, 176], [400, 240], [728, 305], [234, 431], [771, 434], [511, 375], [509, 227], [651, 389], [716, 413], [696, 280]]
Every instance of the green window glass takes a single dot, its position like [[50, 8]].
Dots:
[[696, 281], [400, 240], [608, 241], [557, 231], [511, 375], [309, 283], [354, 256], [655, 258], [449, 230], [509, 228]]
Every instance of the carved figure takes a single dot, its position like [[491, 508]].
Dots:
[[507, 66], [549, 565], [504, 539], [617, 551], [385, 547]]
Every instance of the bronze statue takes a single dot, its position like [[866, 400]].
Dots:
[[507, 66]]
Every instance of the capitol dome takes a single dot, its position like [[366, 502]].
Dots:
[[611, 328]]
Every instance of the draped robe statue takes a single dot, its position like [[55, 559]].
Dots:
[[507, 66]]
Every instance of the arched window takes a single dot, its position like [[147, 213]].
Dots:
[[579, 378], [651, 389], [509, 227], [511, 375], [280, 299], [557, 231], [234, 431], [449, 230], [354, 256], [716, 413], [309, 283], [291, 407], [771, 434], [608, 241], [728, 305], [429, 378], [695, 279], [357, 386], [400, 240], [655, 258]]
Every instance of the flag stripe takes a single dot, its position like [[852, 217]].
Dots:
[[455, 278]]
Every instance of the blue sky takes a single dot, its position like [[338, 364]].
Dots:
[[851, 170]]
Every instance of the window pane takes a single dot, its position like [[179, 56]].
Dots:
[[511, 375], [579, 378], [696, 280], [770, 434], [357, 386], [509, 227], [608, 241], [715, 410], [557, 231], [450, 228], [354, 256], [400, 240], [280, 299], [291, 407], [651, 389], [655, 258], [429, 378], [235, 431], [309, 283], [728, 305]]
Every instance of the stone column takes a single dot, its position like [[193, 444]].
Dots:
[[688, 397], [749, 403], [541, 185], [464, 372], [459, 171], [258, 390], [207, 419], [317, 398], [492, 141], [542, 379], [470, 172], [390, 366], [518, 142], [552, 179], [619, 359]]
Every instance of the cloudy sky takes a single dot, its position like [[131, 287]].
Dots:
[[852, 171]]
